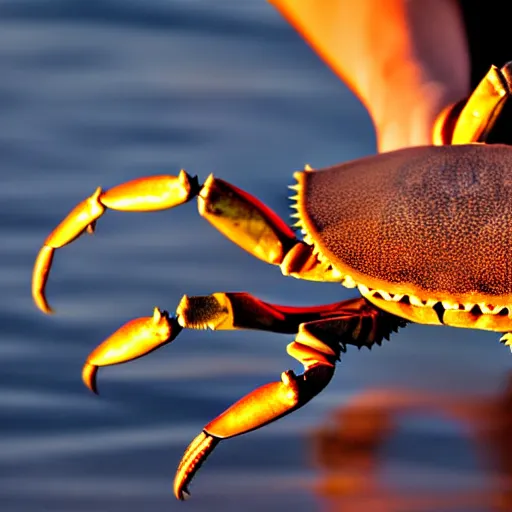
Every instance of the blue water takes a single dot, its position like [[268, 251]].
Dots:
[[97, 92]]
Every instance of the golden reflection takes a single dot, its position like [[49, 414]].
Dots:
[[348, 452]]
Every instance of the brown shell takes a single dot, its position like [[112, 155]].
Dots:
[[434, 222]]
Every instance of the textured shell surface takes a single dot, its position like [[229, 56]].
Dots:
[[434, 221]]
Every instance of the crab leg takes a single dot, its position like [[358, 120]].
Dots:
[[134, 339], [264, 405], [317, 346], [239, 216], [145, 194], [321, 334], [473, 119], [238, 310], [228, 311], [220, 311]]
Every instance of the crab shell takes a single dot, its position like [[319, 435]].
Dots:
[[423, 232]]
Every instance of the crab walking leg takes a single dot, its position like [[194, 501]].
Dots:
[[472, 120], [133, 340], [239, 216], [264, 405], [222, 311], [322, 332], [144, 194], [317, 346]]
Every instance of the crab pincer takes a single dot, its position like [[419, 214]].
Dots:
[[134, 339]]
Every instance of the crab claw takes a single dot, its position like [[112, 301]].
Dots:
[[134, 339], [260, 407]]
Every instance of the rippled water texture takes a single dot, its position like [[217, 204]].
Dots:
[[96, 92]]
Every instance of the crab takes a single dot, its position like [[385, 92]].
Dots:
[[420, 232]]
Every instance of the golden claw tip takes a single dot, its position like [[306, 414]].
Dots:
[[89, 372], [42, 304]]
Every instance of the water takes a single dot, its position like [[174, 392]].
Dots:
[[99, 92]]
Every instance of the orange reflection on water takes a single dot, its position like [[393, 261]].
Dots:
[[348, 452]]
